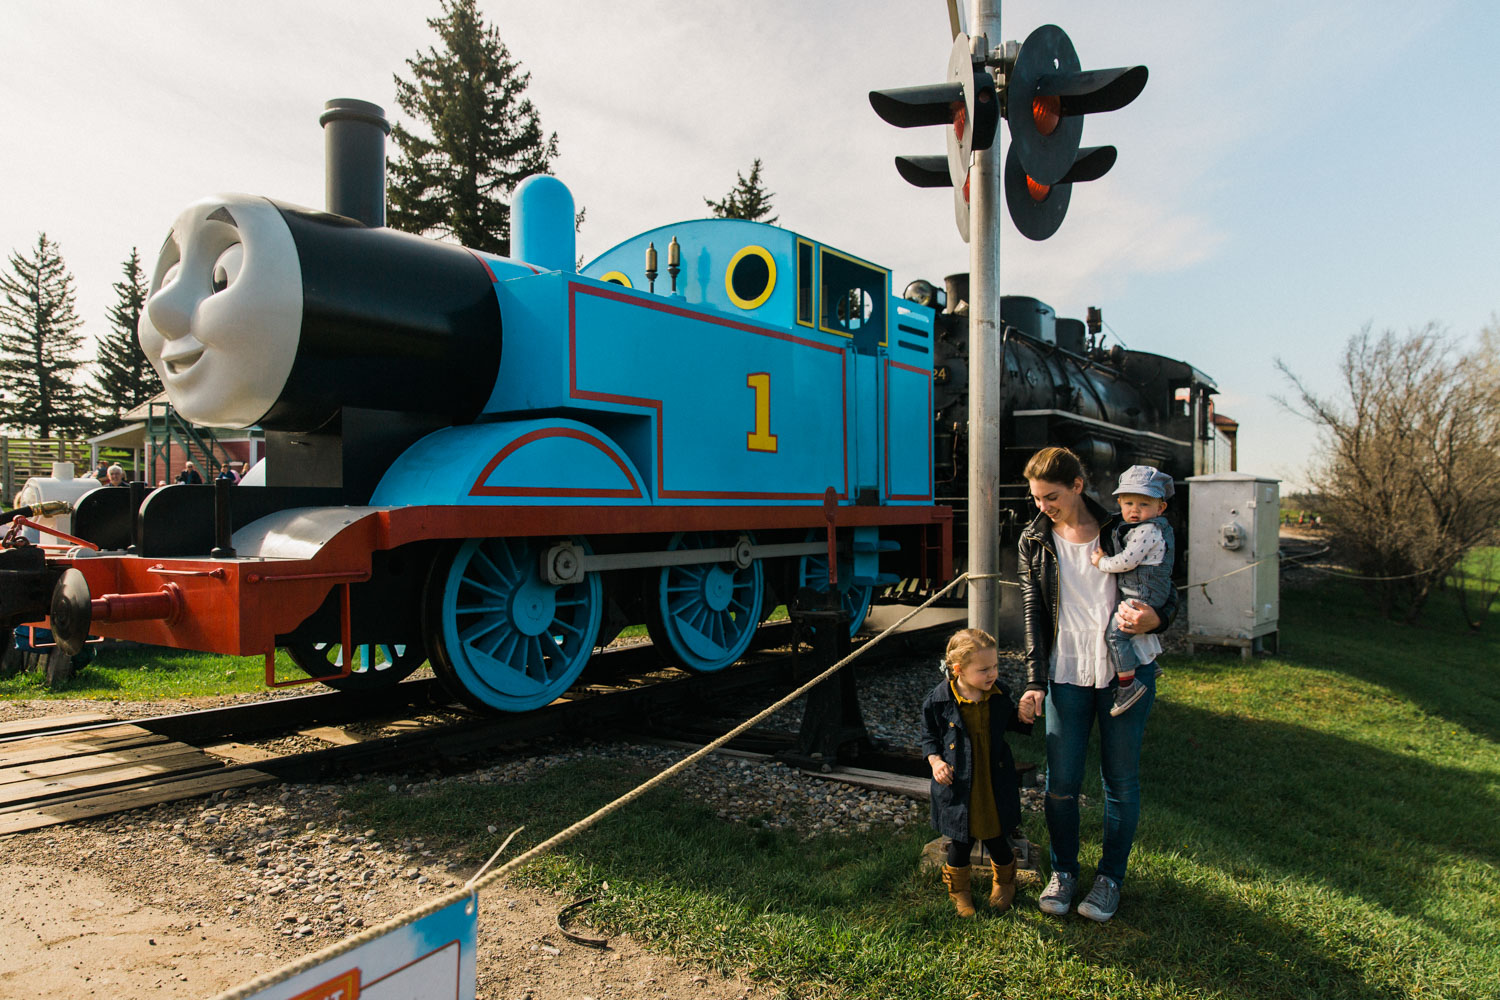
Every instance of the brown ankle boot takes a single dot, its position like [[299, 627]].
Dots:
[[1003, 886], [957, 881]]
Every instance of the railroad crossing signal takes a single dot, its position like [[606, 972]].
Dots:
[[1047, 96], [967, 103]]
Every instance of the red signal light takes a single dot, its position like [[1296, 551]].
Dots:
[[1046, 113], [960, 119], [1038, 192]]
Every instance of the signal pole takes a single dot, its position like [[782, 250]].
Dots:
[[984, 354], [1046, 94]]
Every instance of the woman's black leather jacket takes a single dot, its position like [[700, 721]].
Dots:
[[1040, 589]]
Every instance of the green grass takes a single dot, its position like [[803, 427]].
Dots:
[[150, 673], [1318, 824]]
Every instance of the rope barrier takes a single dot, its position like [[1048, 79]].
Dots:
[[1355, 576], [1344, 573], [482, 881], [989, 576], [1184, 588]]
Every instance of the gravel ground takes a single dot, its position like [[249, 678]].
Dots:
[[122, 709], [191, 898]]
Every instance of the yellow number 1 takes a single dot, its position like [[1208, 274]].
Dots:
[[761, 439]]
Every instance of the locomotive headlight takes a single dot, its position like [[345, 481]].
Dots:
[[923, 293], [224, 312]]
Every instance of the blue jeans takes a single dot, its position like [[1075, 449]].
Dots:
[[1071, 713], [1121, 648]]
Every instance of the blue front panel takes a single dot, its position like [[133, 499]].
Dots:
[[740, 412], [908, 432], [907, 413], [866, 420], [911, 343]]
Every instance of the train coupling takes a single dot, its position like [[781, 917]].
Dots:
[[32, 589], [74, 611]]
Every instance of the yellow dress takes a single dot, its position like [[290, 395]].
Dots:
[[984, 815]]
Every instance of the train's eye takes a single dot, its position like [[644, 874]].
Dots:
[[170, 275], [227, 267]]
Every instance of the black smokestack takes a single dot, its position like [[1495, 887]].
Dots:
[[354, 144]]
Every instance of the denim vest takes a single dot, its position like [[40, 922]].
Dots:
[[1148, 584]]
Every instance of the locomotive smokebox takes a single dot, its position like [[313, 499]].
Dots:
[[354, 149], [389, 321]]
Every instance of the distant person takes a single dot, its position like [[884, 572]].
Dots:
[[102, 473], [1144, 552], [190, 475], [228, 474], [975, 792], [114, 476]]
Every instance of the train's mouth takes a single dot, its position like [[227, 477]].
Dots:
[[181, 362]]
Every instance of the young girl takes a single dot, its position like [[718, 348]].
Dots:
[[975, 794]]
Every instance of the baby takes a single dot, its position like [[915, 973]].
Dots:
[[1144, 547]]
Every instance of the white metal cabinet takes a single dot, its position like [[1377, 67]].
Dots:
[[1233, 538]]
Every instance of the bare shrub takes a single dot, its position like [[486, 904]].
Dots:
[[1409, 458]]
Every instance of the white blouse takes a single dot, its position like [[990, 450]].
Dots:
[[1086, 601]]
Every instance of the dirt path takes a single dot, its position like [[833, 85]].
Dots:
[[190, 899]]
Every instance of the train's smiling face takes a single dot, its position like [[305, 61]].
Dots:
[[224, 313]]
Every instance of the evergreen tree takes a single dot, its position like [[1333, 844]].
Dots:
[[125, 379], [748, 199], [39, 344], [486, 136]]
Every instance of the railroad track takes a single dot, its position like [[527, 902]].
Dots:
[[1298, 550], [62, 769]]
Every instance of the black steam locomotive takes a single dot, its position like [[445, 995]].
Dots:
[[1061, 386]]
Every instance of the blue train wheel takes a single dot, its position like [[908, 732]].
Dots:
[[502, 637], [812, 571], [703, 616], [376, 665]]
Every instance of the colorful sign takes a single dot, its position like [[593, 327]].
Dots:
[[430, 959]]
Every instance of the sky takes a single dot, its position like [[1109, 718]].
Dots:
[[1293, 172]]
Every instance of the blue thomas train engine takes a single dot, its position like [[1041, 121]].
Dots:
[[496, 463]]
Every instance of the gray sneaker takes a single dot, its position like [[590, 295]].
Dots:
[[1102, 901], [1058, 895], [1127, 695]]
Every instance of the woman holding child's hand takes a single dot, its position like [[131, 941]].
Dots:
[[1068, 604]]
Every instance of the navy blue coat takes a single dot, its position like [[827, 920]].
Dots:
[[944, 734]]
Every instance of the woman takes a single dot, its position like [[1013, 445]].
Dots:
[[1068, 604]]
